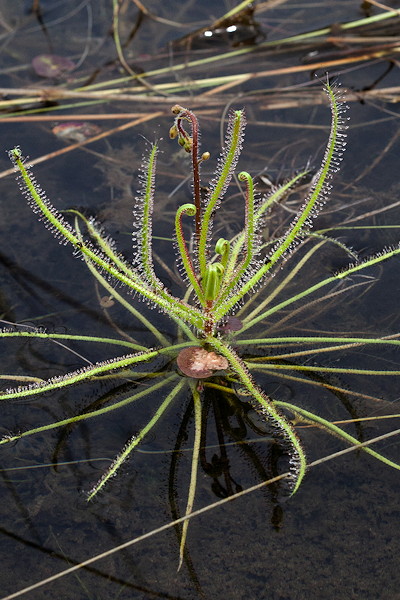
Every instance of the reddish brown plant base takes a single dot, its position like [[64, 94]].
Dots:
[[198, 363]]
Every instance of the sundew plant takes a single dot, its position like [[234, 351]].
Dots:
[[230, 295]]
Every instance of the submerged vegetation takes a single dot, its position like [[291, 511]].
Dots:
[[230, 297]]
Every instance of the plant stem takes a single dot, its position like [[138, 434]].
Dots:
[[194, 468]]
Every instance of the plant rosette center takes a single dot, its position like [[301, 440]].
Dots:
[[198, 363]]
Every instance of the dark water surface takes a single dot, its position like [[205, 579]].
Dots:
[[338, 537]]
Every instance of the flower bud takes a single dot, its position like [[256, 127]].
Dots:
[[173, 132]]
